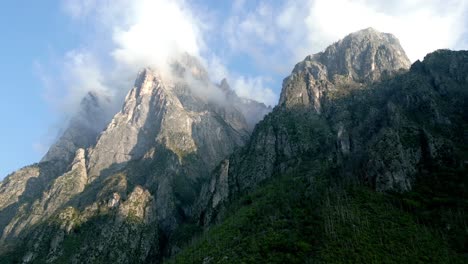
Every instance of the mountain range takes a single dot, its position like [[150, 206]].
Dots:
[[363, 160]]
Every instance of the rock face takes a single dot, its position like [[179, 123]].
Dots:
[[168, 113], [360, 58], [357, 108], [131, 181], [62, 190], [83, 128]]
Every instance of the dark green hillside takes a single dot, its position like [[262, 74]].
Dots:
[[304, 218]]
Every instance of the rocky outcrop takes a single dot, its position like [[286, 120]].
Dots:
[[123, 232], [168, 113], [118, 143], [359, 59], [61, 191], [358, 111], [83, 129], [15, 184]]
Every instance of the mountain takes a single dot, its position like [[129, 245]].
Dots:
[[363, 160], [360, 58], [306, 119], [140, 169], [349, 120], [83, 129]]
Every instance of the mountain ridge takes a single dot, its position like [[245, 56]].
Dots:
[[173, 162]]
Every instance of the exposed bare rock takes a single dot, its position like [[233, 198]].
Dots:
[[360, 58], [83, 129], [358, 108], [133, 180], [15, 184], [167, 112], [62, 190]]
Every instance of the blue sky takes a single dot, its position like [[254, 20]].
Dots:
[[53, 52], [28, 35]]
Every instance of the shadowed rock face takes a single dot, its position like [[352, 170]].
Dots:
[[61, 190], [83, 129], [359, 108]]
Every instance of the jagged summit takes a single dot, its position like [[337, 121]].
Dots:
[[360, 58], [83, 128], [365, 55], [187, 64], [168, 114]]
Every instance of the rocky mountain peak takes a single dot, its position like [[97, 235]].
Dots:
[[186, 64], [365, 55], [145, 82], [83, 128], [360, 58]]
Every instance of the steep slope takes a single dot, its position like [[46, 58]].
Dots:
[[399, 133], [308, 216], [299, 124], [131, 185], [21, 191]]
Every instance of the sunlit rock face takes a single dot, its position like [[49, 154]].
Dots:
[[138, 171], [360, 58], [171, 114]]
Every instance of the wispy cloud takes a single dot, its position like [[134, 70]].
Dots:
[[255, 87], [278, 34]]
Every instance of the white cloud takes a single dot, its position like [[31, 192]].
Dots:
[[160, 30], [140, 33], [40, 148], [421, 26], [286, 33], [68, 79], [131, 34], [216, 68], [254, 88], [143, 33], [126, 36]]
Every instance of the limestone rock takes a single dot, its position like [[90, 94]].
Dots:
[[360, 58], [83, 129]]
